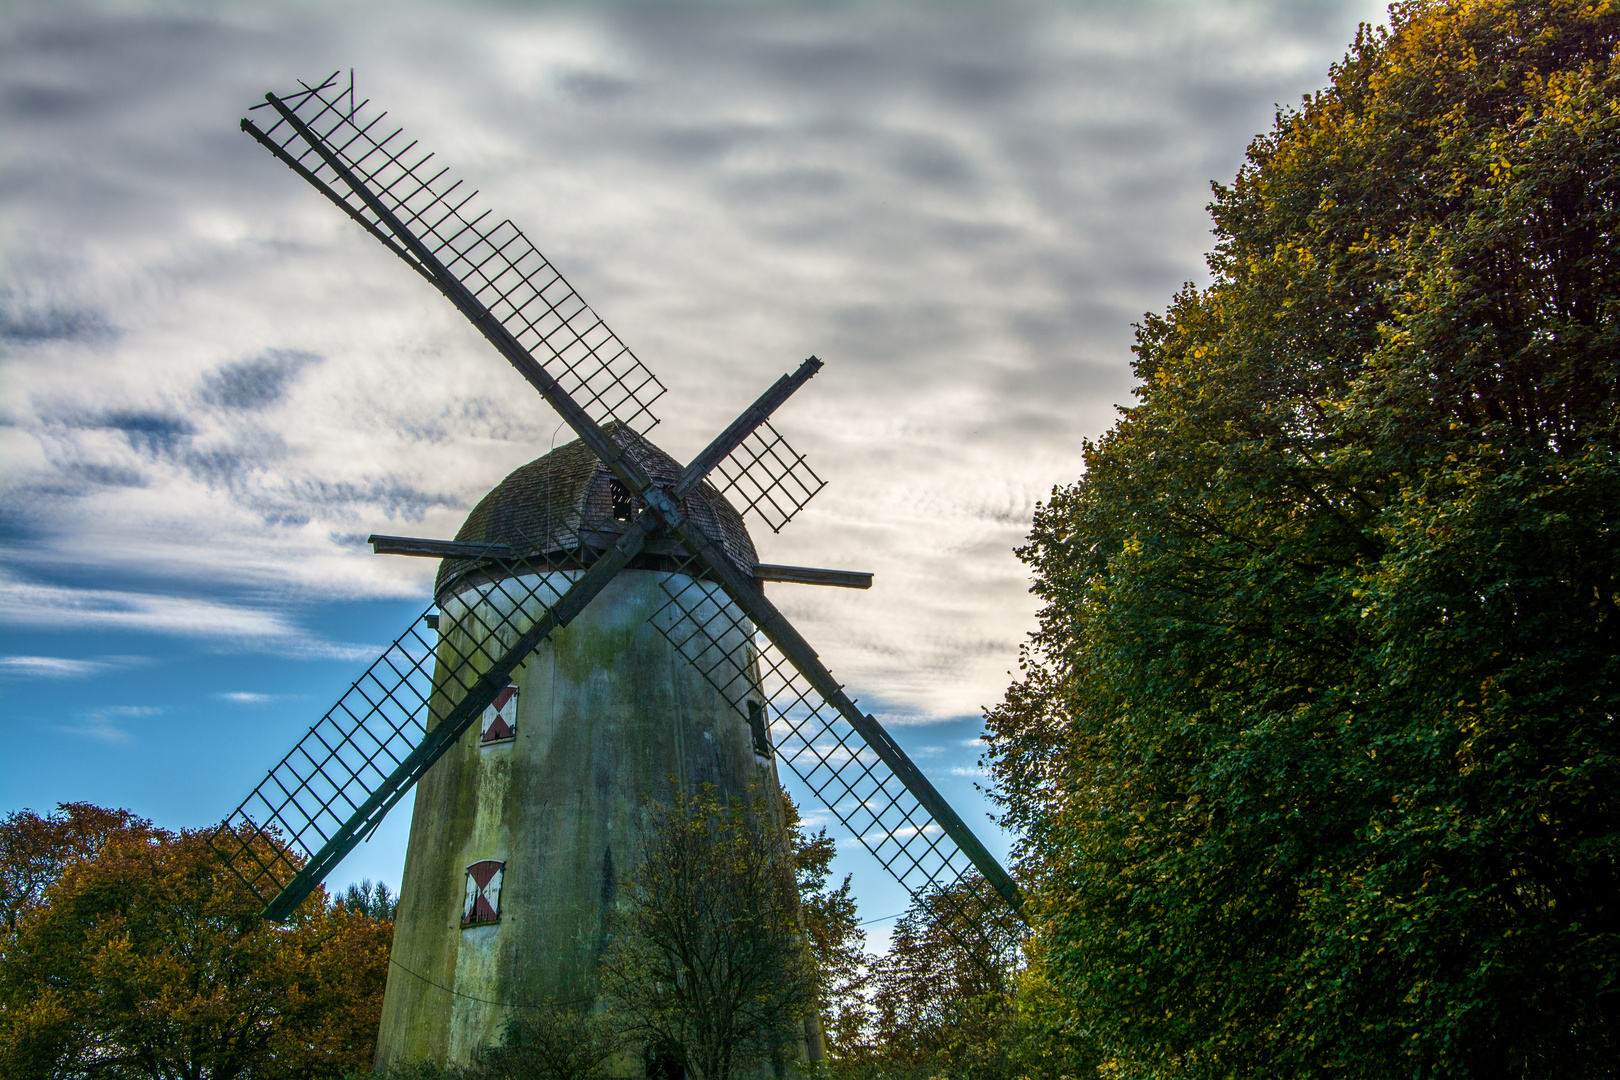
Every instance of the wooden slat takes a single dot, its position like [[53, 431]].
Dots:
[[810, 575], [436, 549]]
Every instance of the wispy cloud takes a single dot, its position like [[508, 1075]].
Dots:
[[107, 723], [227, 625], [257, 382], [903, 833], [245, 697], [59, 606], [21, 325], [50, 667]]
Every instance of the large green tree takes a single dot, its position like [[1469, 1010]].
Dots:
[[1316, 745]]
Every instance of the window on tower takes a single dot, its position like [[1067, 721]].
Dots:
[[483, 905], [622, 507], [500, 719], [761, 730]]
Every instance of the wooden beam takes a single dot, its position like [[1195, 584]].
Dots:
[[365, 819], [809, 575], [436, 549], [455, 549]]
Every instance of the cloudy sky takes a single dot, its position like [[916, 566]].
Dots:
[[215, 386]]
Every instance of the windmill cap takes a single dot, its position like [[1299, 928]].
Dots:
[[564, 500]]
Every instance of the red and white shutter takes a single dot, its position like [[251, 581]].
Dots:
[[483, 903], [500, 719]]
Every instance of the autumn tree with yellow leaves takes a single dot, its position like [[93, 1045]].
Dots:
[[133, 952]]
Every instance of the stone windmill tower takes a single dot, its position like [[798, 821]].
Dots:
[[598, 625], [522, 830]]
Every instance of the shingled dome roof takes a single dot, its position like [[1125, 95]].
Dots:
[[564, 499]]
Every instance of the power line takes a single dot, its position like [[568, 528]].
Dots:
[[473, 997], [880, 918]]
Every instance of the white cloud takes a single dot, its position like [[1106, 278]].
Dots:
[[50, 667], [31, 604], [216, 379], [107, 723], [245, 697], [878, 836], [226, 625]]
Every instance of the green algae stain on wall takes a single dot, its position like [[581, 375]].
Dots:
[[608, 712]]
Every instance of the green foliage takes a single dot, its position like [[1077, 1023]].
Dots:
[[707, 960], [1316, 746], [555, 1043], [373, 901], [422, 1070], [942, 994], [953, 998], [1046, 1039]]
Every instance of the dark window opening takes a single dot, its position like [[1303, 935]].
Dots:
[[623, 509], [761, 730]]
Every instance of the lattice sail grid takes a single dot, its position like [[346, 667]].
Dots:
[[491, 258], [814, 740], [345, 773], [768, 477]]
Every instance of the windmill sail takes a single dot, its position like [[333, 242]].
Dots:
[[334, 788], [868, 783], [489, 256], [767, 478], [520, 302], [386, 182]]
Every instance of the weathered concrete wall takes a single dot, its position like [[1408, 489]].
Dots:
[[608, 712]]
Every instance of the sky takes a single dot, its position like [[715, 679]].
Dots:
[[214, 386]]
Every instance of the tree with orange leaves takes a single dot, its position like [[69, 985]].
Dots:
[[34, 850], [142, 956]]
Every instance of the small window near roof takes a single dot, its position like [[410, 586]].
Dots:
[[623, 509], [483, 904], [500, 719]]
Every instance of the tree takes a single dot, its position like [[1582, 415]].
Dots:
[[707, 960], [34, 850], [833, 931], [149, 959], [942, 996], [373, 901], [1315, 749], [957, 997]]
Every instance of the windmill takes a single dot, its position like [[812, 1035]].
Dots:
[[556, 560]]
